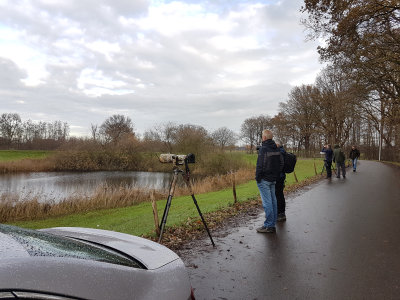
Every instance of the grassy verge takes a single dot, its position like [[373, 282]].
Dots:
[[14, 155], [392, 163], [138, 219]]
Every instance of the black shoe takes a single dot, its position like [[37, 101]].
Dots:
[[281, 217], [344, 176], [337, 176], [264, 229], [354, 170]]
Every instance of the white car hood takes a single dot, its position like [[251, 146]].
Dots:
[[152, 255]]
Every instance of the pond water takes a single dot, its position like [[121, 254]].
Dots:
[[60, 185]]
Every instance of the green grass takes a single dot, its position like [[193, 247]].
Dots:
[[14, 155], [138, 219]]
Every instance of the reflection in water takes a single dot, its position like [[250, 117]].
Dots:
[[60, 185]]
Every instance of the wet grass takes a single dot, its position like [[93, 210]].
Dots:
[[138, 219], [15, 155]]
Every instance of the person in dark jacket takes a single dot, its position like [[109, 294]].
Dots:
[[268, 169], [328, 159], [354, 155], [339, 158], [279, 187]]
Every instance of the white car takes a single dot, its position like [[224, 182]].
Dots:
[[81, 263]]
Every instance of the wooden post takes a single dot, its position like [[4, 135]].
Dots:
[[295, 177], [155, 212], [234, 187]]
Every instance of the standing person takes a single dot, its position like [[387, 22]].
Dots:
[[328, 159], [268, 169], [339, 158], [279, 187], [354, 155]]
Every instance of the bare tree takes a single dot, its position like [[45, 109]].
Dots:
[[10, 127], [115, 127], [191, 138], [337, 100], [301, 111], [262, 122], [283, 131], [94, 131], [163, 135], [249, 133], [224, 137]]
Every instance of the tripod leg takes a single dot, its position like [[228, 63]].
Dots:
[[187, 181], [167, 205]]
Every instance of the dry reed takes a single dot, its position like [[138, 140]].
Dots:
[[12, 208], [27, 165]]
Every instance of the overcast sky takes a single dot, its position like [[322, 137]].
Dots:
[[210, 63]]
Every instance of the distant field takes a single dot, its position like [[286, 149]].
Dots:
[[13, 155]]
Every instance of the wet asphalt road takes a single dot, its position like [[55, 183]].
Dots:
[[341, 240]]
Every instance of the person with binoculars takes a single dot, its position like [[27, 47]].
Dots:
[[328, 159]]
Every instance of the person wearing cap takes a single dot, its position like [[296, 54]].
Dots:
[[339, 158]]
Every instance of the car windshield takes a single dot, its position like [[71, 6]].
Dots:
[[38, 243]]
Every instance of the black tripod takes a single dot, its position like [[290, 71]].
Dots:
[[324, 167], [186, 178]]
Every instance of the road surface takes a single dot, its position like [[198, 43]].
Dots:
[[341, 240]]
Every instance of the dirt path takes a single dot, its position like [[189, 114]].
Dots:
[[341, 241]]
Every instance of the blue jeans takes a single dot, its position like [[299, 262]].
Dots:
[[355, 163], [268, 198]]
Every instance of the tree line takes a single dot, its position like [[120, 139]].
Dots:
[[355, 99], [362, 48], [15, 133]]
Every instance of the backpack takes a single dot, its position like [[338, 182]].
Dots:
[[289, 162], [341, 156]]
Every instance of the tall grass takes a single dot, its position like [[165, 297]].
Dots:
[[12, 208], [27, 165]]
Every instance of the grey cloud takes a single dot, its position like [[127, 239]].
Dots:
[[10, 74], [175, 85]]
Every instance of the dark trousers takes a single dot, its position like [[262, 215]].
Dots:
[[280, 197], [328, 167], [340, 166]]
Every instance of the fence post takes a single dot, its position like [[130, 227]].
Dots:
[[295, 177], [234, 187], [155, 212]]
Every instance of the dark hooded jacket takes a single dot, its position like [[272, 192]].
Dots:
[[269, 162], [328, 154], [338, 155]]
